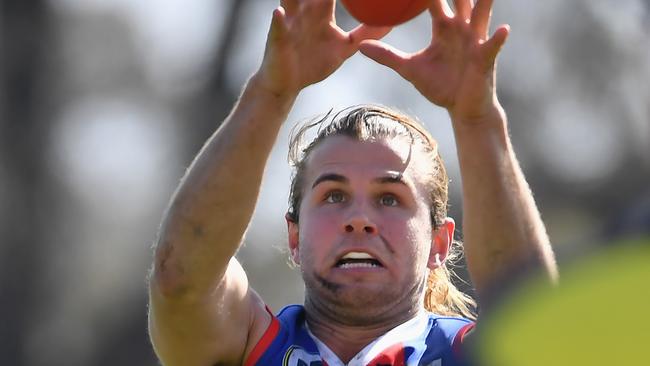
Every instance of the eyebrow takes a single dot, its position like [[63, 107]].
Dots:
[[329, 177], [391, 178]]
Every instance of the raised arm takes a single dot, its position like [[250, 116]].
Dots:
[[202, 311], [502, 227]]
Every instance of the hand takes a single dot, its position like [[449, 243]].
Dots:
[[305, 45], [457, 70]]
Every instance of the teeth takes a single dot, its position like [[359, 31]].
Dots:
[[358, 255], [357, 265]]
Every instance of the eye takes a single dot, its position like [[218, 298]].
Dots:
[[388, 200], [335, 197]]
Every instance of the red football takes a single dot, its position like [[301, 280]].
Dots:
[[385, 12]]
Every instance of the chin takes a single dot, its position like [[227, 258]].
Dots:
[[361, 308], [363, 304]]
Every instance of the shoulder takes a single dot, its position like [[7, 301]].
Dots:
[[446, 335], [285, 333], [449, 325], [292, 313]]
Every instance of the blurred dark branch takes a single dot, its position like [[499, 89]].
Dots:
[[23, 135], [210, 105], [218, 82], [202, 115]]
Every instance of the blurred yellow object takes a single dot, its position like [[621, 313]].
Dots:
[[599, 315]]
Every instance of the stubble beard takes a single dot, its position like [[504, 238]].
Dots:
[[359, 305]]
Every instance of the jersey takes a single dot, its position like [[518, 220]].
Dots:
[[426, 340]]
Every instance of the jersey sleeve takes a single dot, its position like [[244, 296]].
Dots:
[[265, 342]]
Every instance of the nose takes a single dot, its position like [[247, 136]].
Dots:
[[359, 222]]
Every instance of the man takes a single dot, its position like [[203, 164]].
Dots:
[[362, 228]]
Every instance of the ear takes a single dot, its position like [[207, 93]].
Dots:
[[293, 237], [441, 242]]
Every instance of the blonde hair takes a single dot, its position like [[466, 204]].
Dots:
[[443, 297], [367, 122]]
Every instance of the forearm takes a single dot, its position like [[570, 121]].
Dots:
[[502, 227], [213, 205]]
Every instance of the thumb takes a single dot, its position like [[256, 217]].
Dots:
[[491, 48], [278, 24], [364, 32], [384, 54]]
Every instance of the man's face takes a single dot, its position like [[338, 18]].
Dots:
[[365, 238]]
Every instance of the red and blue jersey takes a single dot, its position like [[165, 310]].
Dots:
[[426, 340]]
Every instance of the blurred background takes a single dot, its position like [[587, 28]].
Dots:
[[105, 103]]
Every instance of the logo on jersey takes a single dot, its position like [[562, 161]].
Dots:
[[297, 356]]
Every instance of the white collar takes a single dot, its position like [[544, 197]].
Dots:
[[412, 330]]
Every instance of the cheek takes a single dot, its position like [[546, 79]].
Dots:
[[407, 224], [317, 234], [318, 223], [419, 234]]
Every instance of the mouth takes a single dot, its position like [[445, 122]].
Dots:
[[353, 260]]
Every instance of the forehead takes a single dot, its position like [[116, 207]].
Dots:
[[377, 156]]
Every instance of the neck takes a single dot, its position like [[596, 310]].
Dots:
[[348, 339]]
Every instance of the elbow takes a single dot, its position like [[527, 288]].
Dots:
[[167, 278], [166, 285]]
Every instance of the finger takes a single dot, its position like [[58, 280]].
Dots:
[[440, 9], [278, 24], [463, 8], [364, 32], [481, 17], [385, 55], [319, 9], [491, 48], [290, 7]]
